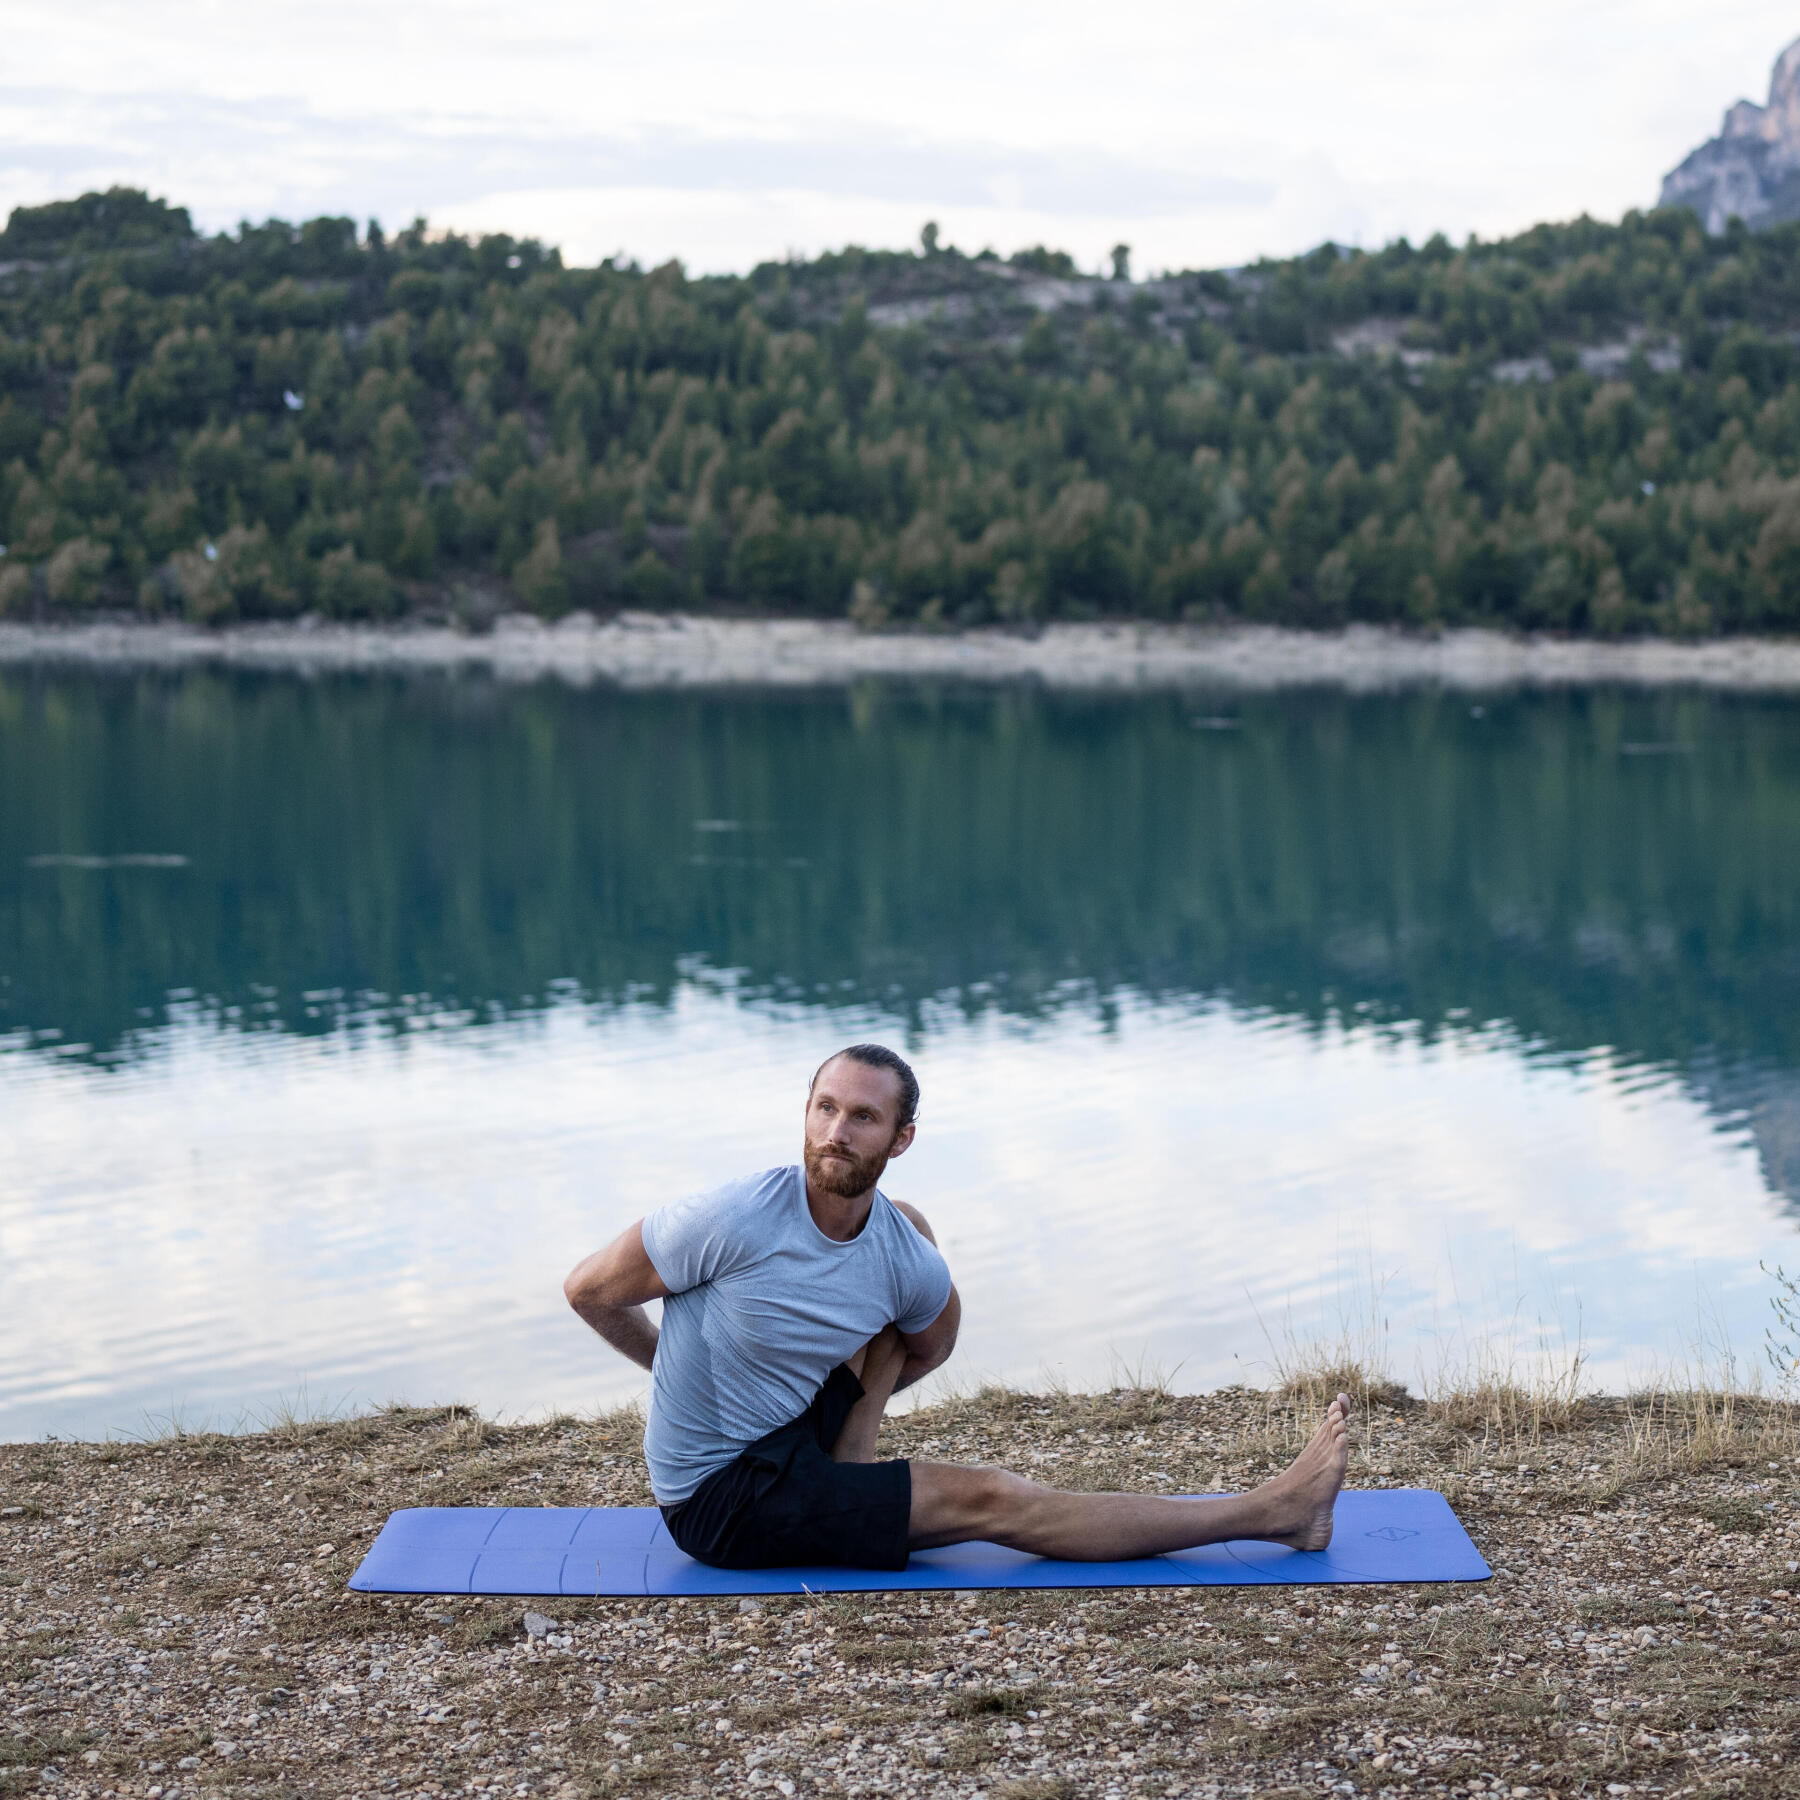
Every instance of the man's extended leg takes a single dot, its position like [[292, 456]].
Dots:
[[951, 1505], [877, 1366]]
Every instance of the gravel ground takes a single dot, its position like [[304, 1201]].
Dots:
[[174, 1623]]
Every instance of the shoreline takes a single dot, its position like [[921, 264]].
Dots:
[[641, 650], [174, 1623]]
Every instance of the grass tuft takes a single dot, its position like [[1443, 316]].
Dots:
[[955, 1405], [1313, 1368], [1510, 1407], [1316, 1384]]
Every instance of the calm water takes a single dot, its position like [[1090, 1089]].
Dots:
[[338, 1017]]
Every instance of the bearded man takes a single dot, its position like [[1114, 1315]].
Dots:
[[795, 1304]]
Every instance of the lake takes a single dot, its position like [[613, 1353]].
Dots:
[[339, 1016]]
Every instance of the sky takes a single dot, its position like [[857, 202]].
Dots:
[[1203, 134]]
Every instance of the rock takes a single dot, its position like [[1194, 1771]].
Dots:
[[537, 1626], [749, 1606], [1751, 170]]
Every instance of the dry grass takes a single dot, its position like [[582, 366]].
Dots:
[[987, 1400], [1353, 1358], [185, 1599], [1315, 1386], [1708, 1428], [1511, 1403], [1498, 1407]]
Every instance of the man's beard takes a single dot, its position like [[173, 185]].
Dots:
[[846, 1177]]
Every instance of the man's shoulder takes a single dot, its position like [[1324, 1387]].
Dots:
[[913, 1217], [701, 1236], [764, 1186]]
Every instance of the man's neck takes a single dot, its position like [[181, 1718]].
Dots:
[[837, 1217]]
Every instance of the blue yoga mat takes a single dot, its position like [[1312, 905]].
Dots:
[[1381, 1534]]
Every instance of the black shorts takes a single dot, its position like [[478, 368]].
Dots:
[[783, 1503]]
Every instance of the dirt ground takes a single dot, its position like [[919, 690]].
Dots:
[[174, 1623]]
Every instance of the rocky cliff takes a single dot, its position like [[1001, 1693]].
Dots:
[[1751, 170]]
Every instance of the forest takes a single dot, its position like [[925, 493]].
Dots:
[[1588, 428]]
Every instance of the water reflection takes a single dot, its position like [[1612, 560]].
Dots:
[[390, 1216], [346, 1013]]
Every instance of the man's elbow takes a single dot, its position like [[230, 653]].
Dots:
[[932, 1354], [585, 1288]]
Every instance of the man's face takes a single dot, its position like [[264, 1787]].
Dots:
[[850, 1120]]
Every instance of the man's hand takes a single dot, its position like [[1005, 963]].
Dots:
[[609, 1289]]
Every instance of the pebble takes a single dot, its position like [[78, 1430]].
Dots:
[[1204, 1692]]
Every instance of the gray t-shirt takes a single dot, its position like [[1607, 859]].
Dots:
[[762, 1307]]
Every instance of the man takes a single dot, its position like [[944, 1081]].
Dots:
[[795, 1303]]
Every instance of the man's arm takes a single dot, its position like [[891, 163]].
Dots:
[[609, 1289], [929, 1349]]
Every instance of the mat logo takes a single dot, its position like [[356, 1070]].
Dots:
[[1393, 1533]]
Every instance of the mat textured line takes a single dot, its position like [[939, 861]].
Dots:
[[1381, 1534]]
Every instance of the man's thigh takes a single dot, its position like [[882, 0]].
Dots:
[[850, 1515], [814, 1512]]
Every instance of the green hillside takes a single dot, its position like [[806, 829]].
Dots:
[[1589, 428]]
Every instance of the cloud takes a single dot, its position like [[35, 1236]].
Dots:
[[1214, 133], [63, 135], [716, 203]]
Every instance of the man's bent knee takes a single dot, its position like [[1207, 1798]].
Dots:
[[1003, 1499], [951, 1502]]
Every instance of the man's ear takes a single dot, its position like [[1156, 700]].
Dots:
[[902, 1141]]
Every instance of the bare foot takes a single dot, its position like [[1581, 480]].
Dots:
[[1308, 1487]]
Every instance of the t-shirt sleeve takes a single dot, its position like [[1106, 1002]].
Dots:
[[696, 1240], [925, 1288]]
